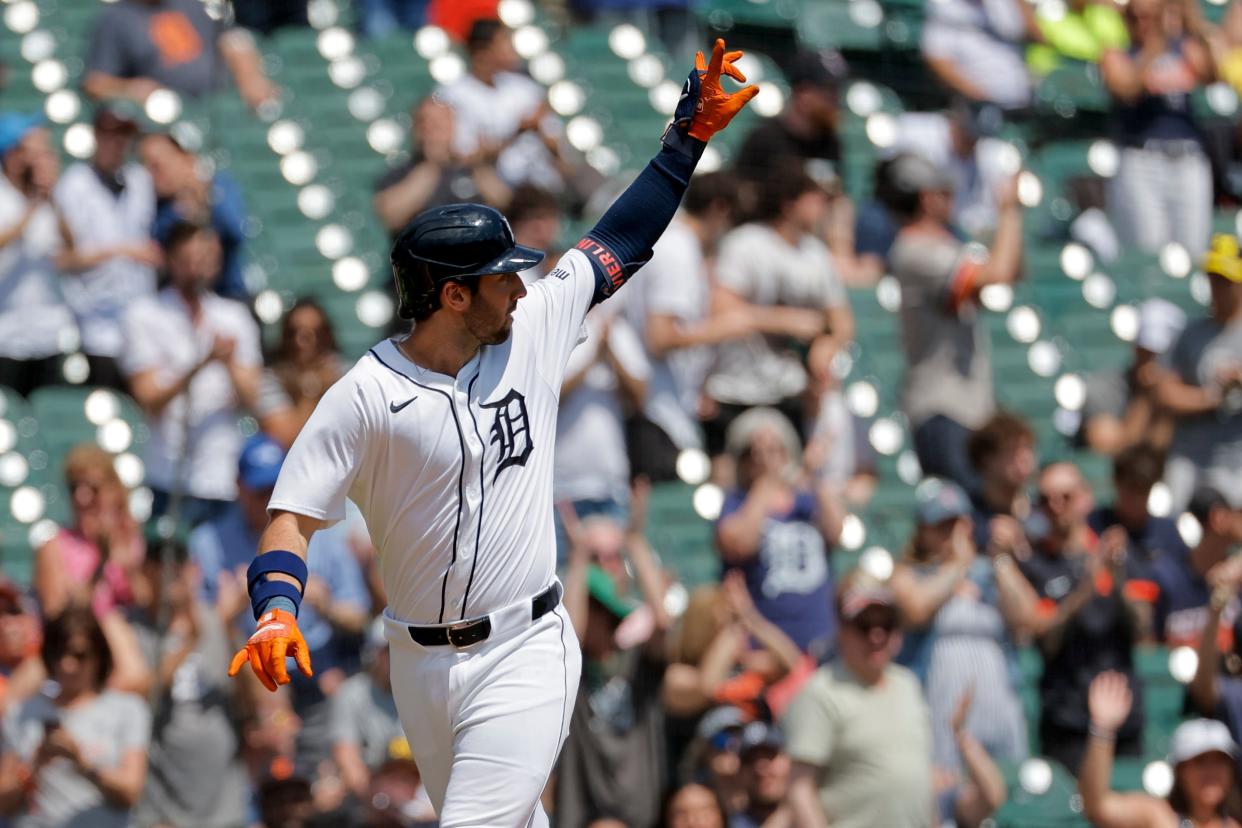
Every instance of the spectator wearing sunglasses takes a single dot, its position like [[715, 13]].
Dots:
[[1094, 606], [78, 757], [859, 733], [961, 611]]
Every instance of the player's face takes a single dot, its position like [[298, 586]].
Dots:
[[490, 315]]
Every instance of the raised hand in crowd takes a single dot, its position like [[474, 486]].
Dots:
[[982, 790]]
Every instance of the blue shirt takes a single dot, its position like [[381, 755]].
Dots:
[[790, 579], [228, 543], [228, 219], [1182, 607], [1157, 537]]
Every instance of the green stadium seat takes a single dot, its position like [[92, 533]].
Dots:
[[684, 541]]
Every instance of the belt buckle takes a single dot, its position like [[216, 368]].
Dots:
[[466, 633]]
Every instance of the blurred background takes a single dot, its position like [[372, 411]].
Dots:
[[934, 385]]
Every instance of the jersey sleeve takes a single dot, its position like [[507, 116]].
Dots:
[[553, 311], [325, 458]]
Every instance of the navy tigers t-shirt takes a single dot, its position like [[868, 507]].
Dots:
[[790, 579]]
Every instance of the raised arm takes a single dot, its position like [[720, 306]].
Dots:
[[622, 240], [1109, 702]]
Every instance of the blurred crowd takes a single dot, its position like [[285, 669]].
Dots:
[[794, 691]]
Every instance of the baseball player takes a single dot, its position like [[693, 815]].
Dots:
[[444, 441]]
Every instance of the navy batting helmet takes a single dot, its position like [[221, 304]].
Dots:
[[452, 243]]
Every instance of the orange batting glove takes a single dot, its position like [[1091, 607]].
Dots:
[[277, 637], [715, 108]]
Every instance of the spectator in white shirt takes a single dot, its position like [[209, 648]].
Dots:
[[974, 47], [780, 274], [605, 374], [193, 362], [667, 304], [108, 204], [499, 106], [35, 324]]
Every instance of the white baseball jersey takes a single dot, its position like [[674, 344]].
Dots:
[[453, 474]]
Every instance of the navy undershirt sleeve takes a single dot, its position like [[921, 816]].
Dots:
[[620, 243]]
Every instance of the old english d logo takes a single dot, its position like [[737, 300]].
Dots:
[[510, 431]]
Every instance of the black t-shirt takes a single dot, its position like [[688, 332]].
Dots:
[[771, 143], [1099, 637]]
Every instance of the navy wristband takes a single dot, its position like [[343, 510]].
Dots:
[[263, 589]]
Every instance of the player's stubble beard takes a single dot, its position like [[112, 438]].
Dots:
[[488, 325]]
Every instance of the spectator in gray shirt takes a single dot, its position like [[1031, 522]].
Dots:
[[948, 384], [1202, 386], [138, 46], [77, 759], [366, 732], [197, 776]]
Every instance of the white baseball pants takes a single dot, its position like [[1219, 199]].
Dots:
[[486, 724]]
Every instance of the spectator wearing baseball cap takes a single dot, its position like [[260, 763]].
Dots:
[[1120, 408], [1204, 759], [1202, 387], [108, 204], [859, 732], [960, 610], [336, 605], [948, 381], [335, 599], [961, 140], [713, 756], [35, 323], [765, 777]]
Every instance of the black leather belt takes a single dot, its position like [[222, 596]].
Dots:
[[472, 632]]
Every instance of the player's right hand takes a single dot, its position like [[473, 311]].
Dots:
[[276, 637]]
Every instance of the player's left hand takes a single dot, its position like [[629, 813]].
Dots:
[[705, 108], [277, 637]]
